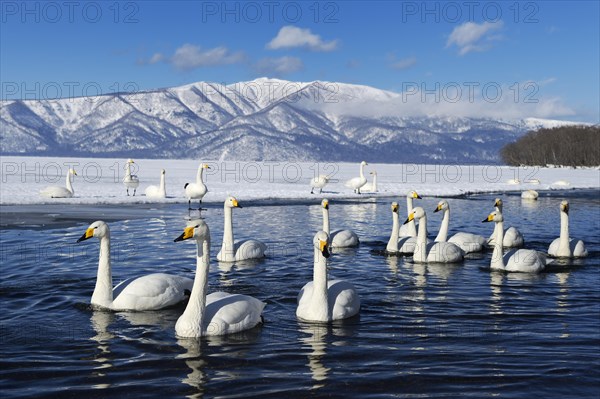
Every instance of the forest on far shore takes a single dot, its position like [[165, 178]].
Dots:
[[565, 146]]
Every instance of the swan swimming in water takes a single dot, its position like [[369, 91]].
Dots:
[[58, 191], [150, 292], [435, 252], [339, 238], [318, 182], [565, 246], [410, 229], [157, 191], [396, 244], [324, 300], [371, 187], [196, 190], [530, 195], [512, 237], [219, 313], [241, 250], [357, 182], [130, 181], [466, 241], [520, 260]]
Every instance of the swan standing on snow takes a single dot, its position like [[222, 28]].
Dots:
[[324, 300], [512, 237], [58, 191], [565, 246], [358, 182], [466, 241], [371, 187], [435, 252], [318, 182], [157, 191], [520, 260], [242, 250], [339, 238], [196, 190], [130, 181], [530, 195], [219, 313], [410, 229], [151, 292], [399, 245]]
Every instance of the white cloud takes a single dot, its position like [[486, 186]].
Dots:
[[404, 63], [279, 66], [157, 57], [471, 36], [190, 56], [291, 37]]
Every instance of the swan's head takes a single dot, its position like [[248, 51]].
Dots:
[[162, 172], [320, 242], [374, 173], [97, 229], [195, 228], [564, 206], [232, 202], [72, 172], [363, 163], [498, 203], [442, 206], [325, 204], [130, 160], [413, 194], [416, 214], [494, 217], [205, 166], [395, 207]]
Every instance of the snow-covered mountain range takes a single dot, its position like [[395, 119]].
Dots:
[[264, 119]]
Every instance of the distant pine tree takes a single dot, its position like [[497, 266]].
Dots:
[[566, 146]]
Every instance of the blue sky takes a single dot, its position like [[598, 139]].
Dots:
[[544, 56]]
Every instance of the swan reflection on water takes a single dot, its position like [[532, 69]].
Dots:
[[100, 320]]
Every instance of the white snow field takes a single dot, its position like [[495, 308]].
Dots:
[[99, 180]]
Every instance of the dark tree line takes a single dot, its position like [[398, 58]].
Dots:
[[566, 146]]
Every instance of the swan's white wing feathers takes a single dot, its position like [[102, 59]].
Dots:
[[230, 313], [469, 242], [249, 249], [343, 299], [344, 239], [56, 192], [151, 292], [444, 252], [524, 260]]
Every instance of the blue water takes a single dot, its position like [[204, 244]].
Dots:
[[435, 331]]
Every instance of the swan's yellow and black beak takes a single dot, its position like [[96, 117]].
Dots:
[[395, 208], [324, 248], [326, 204], [89, 233], [188, 233], [410, 218], [564, 208], [236, 204], [497, 202], [490, 218], [438, 208], [205, 166], [417, 196]]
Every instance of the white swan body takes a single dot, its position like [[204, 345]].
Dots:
[[339, 238], [241, 250], [151, 292], [409, 229], [435, 252], [520, 260], [219, 313], [318, 182], [130, 181], [323, 300], [466, 241], [371, 187], [159, 191], [198, 189], [513, 181], [530, 195], [58, 191], [399, 245], [512, 236], [357, 182], [565, 246]]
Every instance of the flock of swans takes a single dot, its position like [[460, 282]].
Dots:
[[322, 299]]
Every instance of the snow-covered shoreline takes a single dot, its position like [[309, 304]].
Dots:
[[99, 180]]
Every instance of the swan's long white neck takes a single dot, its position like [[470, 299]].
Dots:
[[194, 311], [362, 175], [103, 292], [498, 254], [564, 248], [69, 185], [127, 169], [199, 174], [374, 182], [228, 249], [392, 245], [326, 220], [420, 254], [319, 300], [443, 233], [162, 187], [412, 228]]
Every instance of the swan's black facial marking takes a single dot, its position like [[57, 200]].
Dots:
[[185, 185]]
